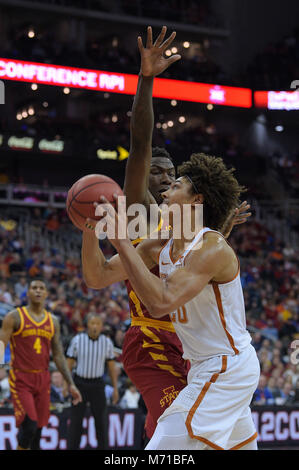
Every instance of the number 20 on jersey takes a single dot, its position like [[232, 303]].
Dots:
[[180, 315]]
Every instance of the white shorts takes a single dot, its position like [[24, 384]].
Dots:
[[214, 407]]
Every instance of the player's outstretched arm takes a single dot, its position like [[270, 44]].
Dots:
[[153, 63], [97, 271], [61, 363], [215, 260]]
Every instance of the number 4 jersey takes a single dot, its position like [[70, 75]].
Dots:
[[30, 345]]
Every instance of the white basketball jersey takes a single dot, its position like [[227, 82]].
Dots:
[[212, 323]]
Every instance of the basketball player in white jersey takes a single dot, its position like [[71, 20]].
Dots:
[[201, 290]]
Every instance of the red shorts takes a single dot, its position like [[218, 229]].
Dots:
[[159, 373], [30, 392]]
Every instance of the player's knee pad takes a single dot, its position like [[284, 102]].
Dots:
[[27, 432]]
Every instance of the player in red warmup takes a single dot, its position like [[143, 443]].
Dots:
[[32, 332], [152, 352]]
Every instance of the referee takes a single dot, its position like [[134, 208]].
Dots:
[[88, 352]]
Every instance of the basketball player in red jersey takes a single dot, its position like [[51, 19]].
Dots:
[[33, 332], [152, 352]]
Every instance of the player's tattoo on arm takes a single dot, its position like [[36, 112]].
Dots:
[[17, 320], [58, 354]]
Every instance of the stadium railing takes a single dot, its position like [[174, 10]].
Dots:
[[281, 217]]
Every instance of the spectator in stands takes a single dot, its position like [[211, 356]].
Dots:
[[6, 294], [279, 396], [270, 330], [21, 288], [34, 270], [47, 267], [289, 327], [109, 394], [4, 268], [16, 267], [119, 336], [4, 386], [53, 223], [272, 387], [266, 368], [58, 262], [276, 373], [276, 356], [257, 340], [76, 321], [296, 394], [288, 394], [59, 390], [130, 398], [292, 372], [262, 395]]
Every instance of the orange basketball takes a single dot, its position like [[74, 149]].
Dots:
[[84, 193]]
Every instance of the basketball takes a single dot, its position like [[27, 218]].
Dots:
[[84, 193]]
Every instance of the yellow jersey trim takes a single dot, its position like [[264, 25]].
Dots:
[[34, 321], [138, 240], [144, 321]]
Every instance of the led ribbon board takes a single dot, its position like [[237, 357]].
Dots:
[[48, 74], [283, 100]]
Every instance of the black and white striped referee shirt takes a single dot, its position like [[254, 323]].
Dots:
[[90, 355]]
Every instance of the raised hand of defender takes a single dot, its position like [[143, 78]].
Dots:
[[153, 61], [239, 216]]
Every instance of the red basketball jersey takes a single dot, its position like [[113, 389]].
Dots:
[[30, 345], [137, 309], [139, 314]]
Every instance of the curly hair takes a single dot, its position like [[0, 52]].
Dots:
[[218, 185], [160, 152]]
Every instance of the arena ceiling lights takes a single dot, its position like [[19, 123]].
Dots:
[[48, 74]]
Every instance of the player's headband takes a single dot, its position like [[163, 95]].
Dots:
[[193, 184]]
